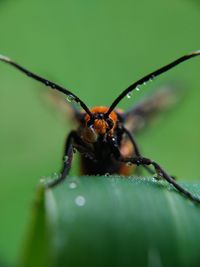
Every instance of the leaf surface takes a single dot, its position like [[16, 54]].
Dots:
[[114, 221]]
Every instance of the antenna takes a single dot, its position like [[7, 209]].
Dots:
[[149, 77], [47, 83]]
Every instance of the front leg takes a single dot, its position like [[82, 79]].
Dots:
[[67, 161], [72, 139]]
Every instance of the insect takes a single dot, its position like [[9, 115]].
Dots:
[[105, 144]]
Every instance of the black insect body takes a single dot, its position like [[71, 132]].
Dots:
[[105, 142]]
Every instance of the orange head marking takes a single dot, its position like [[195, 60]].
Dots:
[[100, 123]]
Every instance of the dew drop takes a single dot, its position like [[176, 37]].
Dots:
[[144, 83], [128, 95], [66, 158], [137, 89], [72, 185], [155, 178], [129, 163], [80, 201], [152, 77], [70, 98], [107, 174], [42, 180]]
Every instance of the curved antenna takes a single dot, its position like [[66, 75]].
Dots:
[[47, 83], [149, 77]]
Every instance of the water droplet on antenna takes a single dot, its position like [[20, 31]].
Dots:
[[70, 98], [129, 95], [151, 78], [42, 180]]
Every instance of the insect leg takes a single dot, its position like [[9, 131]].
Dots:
[[136, 148], [162, 173], [67, 161], [72, 140], [142, 161], [138, 153]]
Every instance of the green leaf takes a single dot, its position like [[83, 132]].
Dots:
[[114, 221]]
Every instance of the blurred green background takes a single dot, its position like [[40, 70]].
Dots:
[[95, 48]]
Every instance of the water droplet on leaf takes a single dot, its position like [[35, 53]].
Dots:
[[80, 201], [72, 185], [155, 178]]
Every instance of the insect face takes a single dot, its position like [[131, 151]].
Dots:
[[100, 124]]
